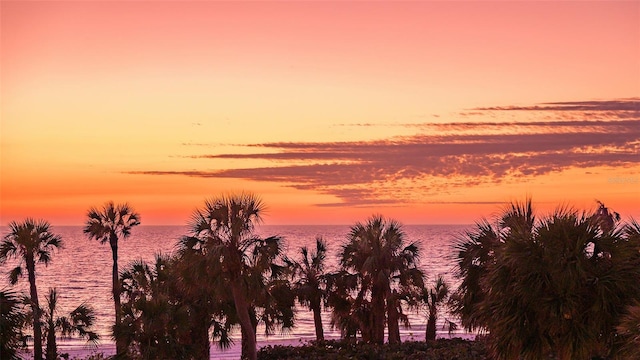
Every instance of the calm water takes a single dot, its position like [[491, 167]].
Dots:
[[81, 272]]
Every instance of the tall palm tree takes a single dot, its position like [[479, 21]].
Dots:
[[310, 284], [30, 241], [110, 224], [78, 322], [376, 252], [223, 231]]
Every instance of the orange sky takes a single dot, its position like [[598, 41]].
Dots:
[[429, 112]]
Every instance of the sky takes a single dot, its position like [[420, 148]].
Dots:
[[425, 112]]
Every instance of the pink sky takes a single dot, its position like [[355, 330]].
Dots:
[[163, 104]]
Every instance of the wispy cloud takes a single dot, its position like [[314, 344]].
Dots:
[[631, 104], [445, 156]]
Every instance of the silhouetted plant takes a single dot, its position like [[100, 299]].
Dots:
[[442, 349], [30, 241], [160, 320], [376, 265], [629, 326], [434, 297], [551, 287], [79, 322], [251, 267], [310, 286], [12, 321], [109, 224]]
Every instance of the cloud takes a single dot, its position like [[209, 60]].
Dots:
[[631, 104], [443, 158], [620, 108]]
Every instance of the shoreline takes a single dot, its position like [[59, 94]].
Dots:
[[77, 350]]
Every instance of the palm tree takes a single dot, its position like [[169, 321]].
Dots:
[[629, 331], [223, 231], [628, 327], [198, 287], [12, 321], [376, 253], [33, 242], [78, 322], [434, 297], [546, 289], [109, 224], [345, 314], [475, 250], [310, 286], [164, 319]]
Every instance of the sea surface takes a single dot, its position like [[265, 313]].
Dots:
[[81, 272]]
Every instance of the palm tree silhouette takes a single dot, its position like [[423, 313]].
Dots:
[[12, 320], [78, 322], [433, 297], [109, 224], [310, 286], [224, 232], [30, 241], [543, 289], [375, 251], [161, 321]]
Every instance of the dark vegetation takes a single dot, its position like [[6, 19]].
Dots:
[[441, 349], [563, 286]]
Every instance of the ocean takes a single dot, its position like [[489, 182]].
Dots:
[[81, 272]]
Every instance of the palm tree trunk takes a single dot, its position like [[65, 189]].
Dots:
[[120, 344], [200, 333], [245, 346], [378, 312], [431, 325], [246, 326], [392, 321], [317, 320], [52, 348], [35, 306]]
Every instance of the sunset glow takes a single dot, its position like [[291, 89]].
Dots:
[[428, 112]]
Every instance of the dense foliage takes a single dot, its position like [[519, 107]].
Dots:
[[13, 317], [441, 349], [554, 287]]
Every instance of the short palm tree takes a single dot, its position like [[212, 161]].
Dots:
[[164, 319], [31, 241], [376, 252], [12, 320], [629, 326], [78, 322], [110, 224], [310, 284], [434, 297], [551, 287]]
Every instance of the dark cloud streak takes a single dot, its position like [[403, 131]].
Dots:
[[392, 171]]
